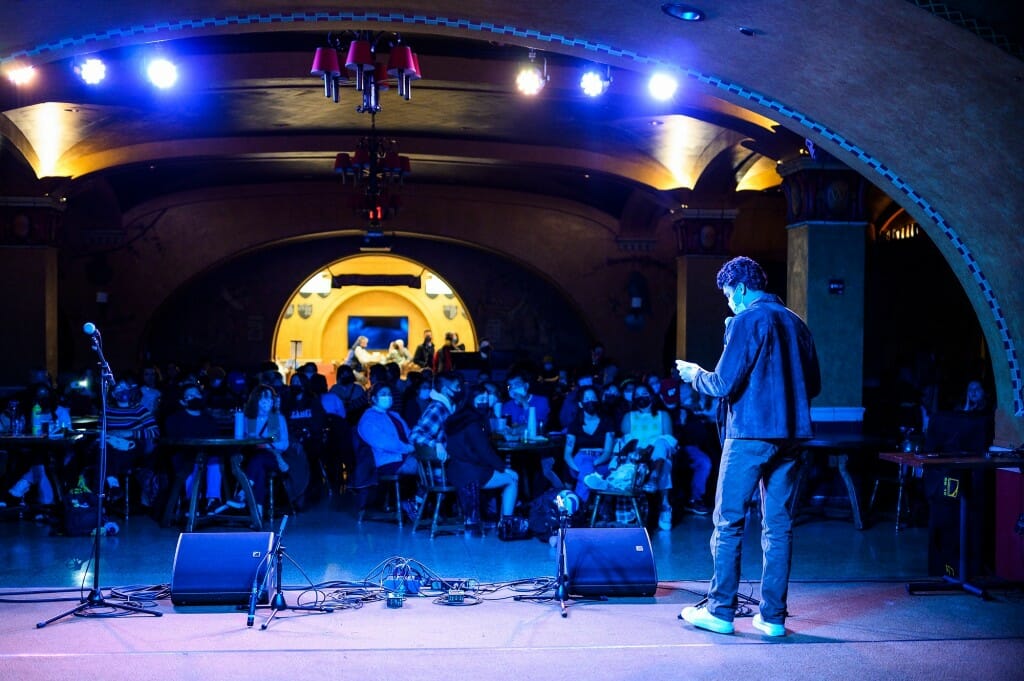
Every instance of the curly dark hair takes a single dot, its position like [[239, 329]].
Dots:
[[742, 270]]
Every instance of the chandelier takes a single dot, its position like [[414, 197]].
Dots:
[[375, 164]]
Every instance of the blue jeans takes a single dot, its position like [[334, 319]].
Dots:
[[746, 466]]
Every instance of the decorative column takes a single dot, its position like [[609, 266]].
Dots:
[[28, 286], [703, 242], [825, 278]]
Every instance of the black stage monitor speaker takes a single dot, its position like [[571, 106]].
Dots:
[[219, 567], [610, 562]]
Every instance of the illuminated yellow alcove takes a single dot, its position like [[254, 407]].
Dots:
[[313, 325]]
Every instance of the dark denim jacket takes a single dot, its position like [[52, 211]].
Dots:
[[767, 374]]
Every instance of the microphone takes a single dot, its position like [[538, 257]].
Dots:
[[252, 602], [90, 330], [567, 502]]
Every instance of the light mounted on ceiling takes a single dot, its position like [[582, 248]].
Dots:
[[370, 76], [594, 83], [162, 73], [683, 12], [22, 75], [92, 71], [532, 77], [662, 87]]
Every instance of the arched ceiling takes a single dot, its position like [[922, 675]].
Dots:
[[924, 108]]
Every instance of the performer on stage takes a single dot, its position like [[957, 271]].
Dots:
[[765, 379]]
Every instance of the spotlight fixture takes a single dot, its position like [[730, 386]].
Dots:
[[532, 78], [22, 75], [683, 12], [162, 73], [594, 83], [92, 71], [662, 87]]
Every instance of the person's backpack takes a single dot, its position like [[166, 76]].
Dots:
[[543, 518]]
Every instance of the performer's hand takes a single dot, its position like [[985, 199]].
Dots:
[[687, 370]]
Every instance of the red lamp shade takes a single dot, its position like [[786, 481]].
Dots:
[[342, 163], [405, 164], [325, 62], [400, 60], [416, 73], [360, 56], [391, 162], [361, 158]]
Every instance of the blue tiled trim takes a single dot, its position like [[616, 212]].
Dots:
[[863, 156]]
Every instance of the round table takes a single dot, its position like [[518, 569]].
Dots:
[[202, 446]]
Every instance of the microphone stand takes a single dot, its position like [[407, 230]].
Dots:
[[94, 600], [278, 602], [561, 570]]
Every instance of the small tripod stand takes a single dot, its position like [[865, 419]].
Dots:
[[278, 602], [95, 598]]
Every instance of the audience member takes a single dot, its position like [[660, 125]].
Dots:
[[191, 420], [423, 357], [473, 463], [652, 427], [588, 441], [263, 419]]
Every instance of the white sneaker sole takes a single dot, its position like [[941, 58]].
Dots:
[[702, 619], [768, 628]]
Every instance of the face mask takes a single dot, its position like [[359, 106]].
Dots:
[[590, 407], [345, 379], [517, 392], [610, 399], [642, 402], [628, 396], [194, 404], [384, 402], [480, 404], [548, 367]]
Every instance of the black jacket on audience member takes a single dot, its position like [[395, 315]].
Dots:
[[471, 456]]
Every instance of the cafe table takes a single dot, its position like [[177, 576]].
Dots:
[[204, 447]]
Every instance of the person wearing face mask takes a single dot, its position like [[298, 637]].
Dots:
[[473, 464], [134, 431], [192, 420], [651, 426], [387, 434], [612, 404], [766, 377], [351, 394], [428, 435], [588, 441], [417, 397], [423, 357], [263, 419], [516, 412]]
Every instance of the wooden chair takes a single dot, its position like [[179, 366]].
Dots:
[[634, 493], [434, 487]]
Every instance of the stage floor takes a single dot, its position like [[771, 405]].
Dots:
[[850, 614]]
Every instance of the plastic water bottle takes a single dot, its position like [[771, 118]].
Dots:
[[239, 424], [37, 421], [531, 424]]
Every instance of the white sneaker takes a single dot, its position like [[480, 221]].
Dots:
[[768, 628], [702, 619], [595, 481], [665, 518]]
